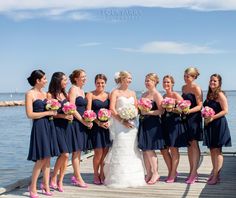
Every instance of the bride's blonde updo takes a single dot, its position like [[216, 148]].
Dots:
[[119, 76]]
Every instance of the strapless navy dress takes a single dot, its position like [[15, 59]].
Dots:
[[174, 131], [43, 139], [100, 136], [83, 134], [216, 133], [64, 130], [150, 133], [193, 121]]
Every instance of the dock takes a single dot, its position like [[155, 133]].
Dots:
[[226, 188]]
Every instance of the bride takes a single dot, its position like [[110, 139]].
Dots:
[[123, 165]]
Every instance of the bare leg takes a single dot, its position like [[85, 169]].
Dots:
[[154, 166], [96, 162], [46, 174], [147, 166], [35, 174], [167, 158], [64, 160], [76, 166], [102, 177], [194, 157], [175, 161]]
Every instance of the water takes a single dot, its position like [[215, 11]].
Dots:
[[15, 133]]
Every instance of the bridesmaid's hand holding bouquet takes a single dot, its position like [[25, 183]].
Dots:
[[103, 117], [89, 116], [69, 109], [183, 106], [52, 105], [144, 105], [168, 104], [207, 113]]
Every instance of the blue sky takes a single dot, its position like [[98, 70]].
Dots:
[[164, 37]]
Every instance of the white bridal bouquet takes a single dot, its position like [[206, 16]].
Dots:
[[128, 112]]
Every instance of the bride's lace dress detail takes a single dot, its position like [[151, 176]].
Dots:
[[123, 164]]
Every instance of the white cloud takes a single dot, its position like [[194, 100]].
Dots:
[[60, 7], [90, 44], [54, 14], [169, 47]]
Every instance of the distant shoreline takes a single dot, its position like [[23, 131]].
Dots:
[[12, 103]]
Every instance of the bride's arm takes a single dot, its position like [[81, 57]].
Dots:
[[113, 97]]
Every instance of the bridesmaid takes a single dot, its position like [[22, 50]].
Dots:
[[42, 140], [191, 91], [98, 99], [150, 134], [80, 142], [57, 91], [216, 132], [174, 132]]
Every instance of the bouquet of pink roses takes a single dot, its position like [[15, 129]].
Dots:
[[89, 116], [144, 104], [183, 106], [168, 104], [52, 105], [104, 114], [207, 113], [69, 109]]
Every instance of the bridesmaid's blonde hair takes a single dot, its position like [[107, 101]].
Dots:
[[153, 77], [192, 71]]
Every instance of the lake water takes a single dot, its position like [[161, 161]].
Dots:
[[15, 133]]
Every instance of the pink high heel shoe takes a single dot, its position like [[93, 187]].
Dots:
[[60, 188], [75, 182], [44, 192], [192, 179], [97, 181], [213, 181], [32, 195], [53, 186]]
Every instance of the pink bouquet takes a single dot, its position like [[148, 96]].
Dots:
[[52, 105], [69, 109], [207, 112], [104, 114], [89, 116], [144, 104], [168, 104], [183, 106]]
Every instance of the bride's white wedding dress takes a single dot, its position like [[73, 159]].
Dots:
[[123, 164]]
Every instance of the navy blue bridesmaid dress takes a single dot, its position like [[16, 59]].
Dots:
[[174, 131], [63, 130], [100, 136], [43, 140], [150, 133], [193, 121], [83, 134], [216, 133]]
